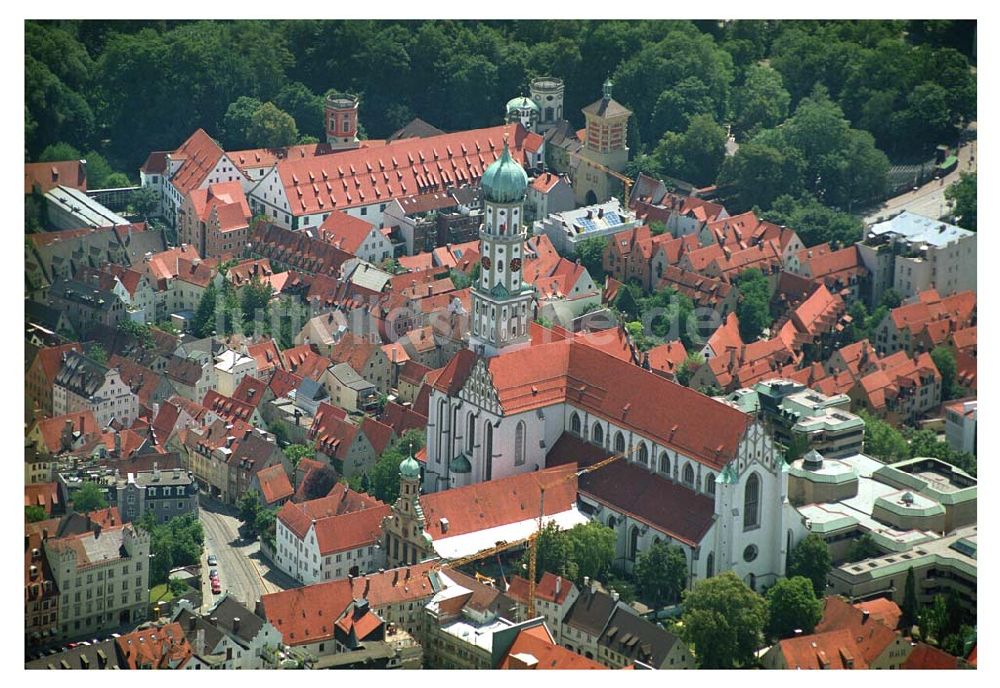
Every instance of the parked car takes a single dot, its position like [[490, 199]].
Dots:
[[212, 561], [216, 586], [213, 574]]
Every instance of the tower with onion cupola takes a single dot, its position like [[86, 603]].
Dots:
[[502, 304]]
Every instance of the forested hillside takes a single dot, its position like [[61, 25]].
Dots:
[[818, 107]]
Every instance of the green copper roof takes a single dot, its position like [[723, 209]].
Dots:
[[409, 468], [504, 181], [460, 464], [521, 102]]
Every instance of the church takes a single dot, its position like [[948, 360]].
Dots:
[[522, 398]]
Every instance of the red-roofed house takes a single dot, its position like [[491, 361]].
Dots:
[[902, 328], [924, 656], [363, 182], [535, 648], [41, 376], [356, 236], [554, 596], [45, 176], [843, 271], [197, 164], [340, 442], [273, 485], [306, 620], [880, 646], [548, 193], [215, 220], [901, 390], [830, 650], [326, 539], [158, 647], [365, 358]]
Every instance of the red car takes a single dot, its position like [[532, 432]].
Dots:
[[216, 586]]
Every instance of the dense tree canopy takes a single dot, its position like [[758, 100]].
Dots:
[[126, 88], [724, 620], [792, 606], [964, 195], [811, 559], [662, 573], [89, 497]]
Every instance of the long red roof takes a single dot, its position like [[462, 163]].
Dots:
[[398, 170]]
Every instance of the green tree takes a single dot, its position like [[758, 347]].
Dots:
[[625, 301], [593, 548], [762, 102], [944, 360], [34, 513], [661, 572], [724, 621], [590, 251], [305, 107], [145, 202], [963, 193], [792, 606], [811, 559], [203, 323], [797, 447], [271, 127], [296, 452], [553, 554], [98, 353], [677, 105], [383, 478], [883, 441], [177, 542], [255, 301], [910, 606], [863, 548], [697, 154], [248, 505], [754, 309], [265, 525], [177, 587], [814, 222], [760, 173], [57, 152], [237, 121], [688, 368], [140, 332], [88, 498]]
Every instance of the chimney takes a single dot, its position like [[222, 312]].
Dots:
[[118, 444], [444, 525], [593, 587], [236, 624], [865, 615], [199, 642], [558, 585], [97, 530], [615, 595], [67, 434]]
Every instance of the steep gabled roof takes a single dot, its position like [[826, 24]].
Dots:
[[200, 154]]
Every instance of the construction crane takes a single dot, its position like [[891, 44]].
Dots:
[[626, 182], [532, 540]]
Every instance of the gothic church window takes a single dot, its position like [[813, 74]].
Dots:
[[598, 434], [574, 423], [519, 444], [689, 475], [620, 442], [751, 502], [643, 454]]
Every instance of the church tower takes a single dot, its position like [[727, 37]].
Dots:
[[403, 535], [342, 121], [501, 301]]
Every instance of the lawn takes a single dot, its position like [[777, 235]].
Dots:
[[162, 593]]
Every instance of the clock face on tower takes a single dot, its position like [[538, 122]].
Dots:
[[515, 265], [486, 262]]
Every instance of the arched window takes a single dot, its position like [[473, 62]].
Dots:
[[751, 502], [710, 565], [470, 435], [519, 444], [442, 427], [620, 442], [633, 543], [643, 454], [688, 475], [574, 423], [710, 484], [488, 453], [598, 434], [664, 463], [611, 521]]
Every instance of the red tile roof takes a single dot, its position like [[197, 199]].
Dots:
[[46, 176], [297, 250], [50, 359], [274, 483], [267, 157], [159, 647], [965, 340], [871, 635], [305, 362], [398, 170], [344, 231], [250, 391], [667, 358], [308, 614], [402, 418], [350, 531], [332, 434], [883, 610], [200, 154], [266, 354], [544, 590], [830, 650], [545, 653], [628, 487], [51, 428], [354, 351], [227, 407], [45, 495], [701, 289], [923, 656], [498, 502], [282, 382], [545, 182], [215, 197]]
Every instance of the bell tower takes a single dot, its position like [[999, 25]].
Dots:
[[501, 301]]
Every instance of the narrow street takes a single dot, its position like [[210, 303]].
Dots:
[[243, 572], [929, 199]]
